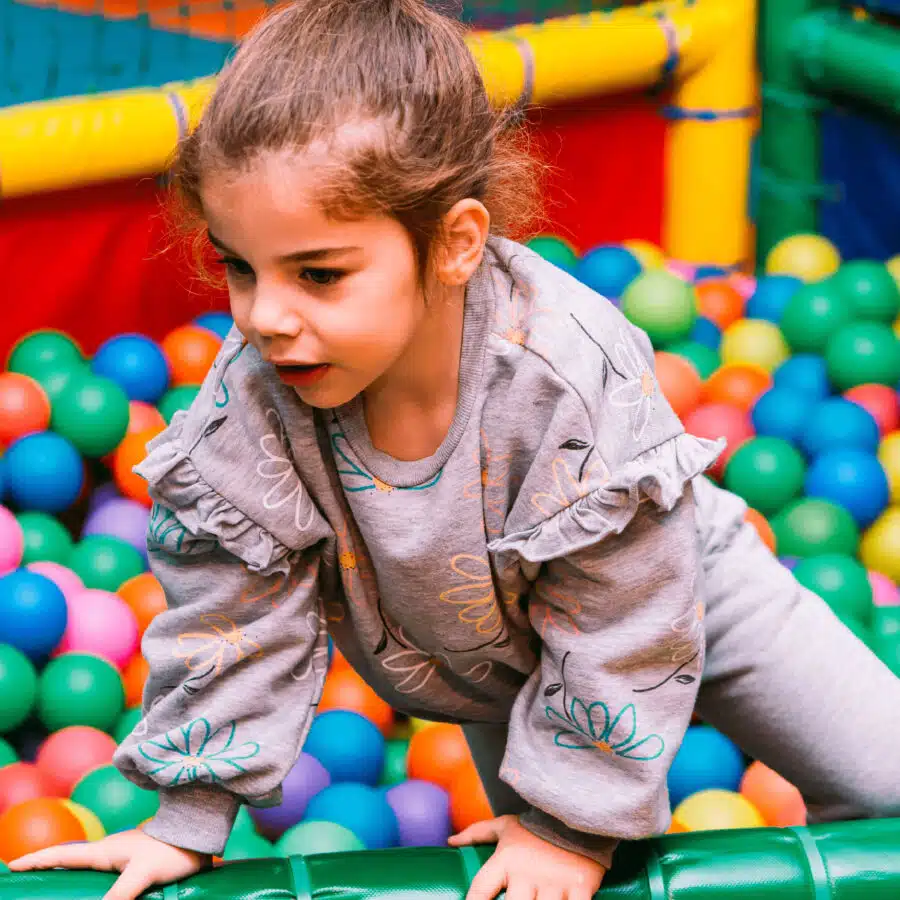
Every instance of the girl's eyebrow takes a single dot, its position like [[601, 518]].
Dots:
[[299, 256]]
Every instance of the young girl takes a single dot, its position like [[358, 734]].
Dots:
[[428, 442]]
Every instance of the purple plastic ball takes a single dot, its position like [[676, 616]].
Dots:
[[302, 783], [120, 518], [103, 495], [423, 813]]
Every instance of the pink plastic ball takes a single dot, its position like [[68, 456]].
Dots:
[[65, 579], [684, 270], [884, 591], [745, 285], [101, 623], [12, 541]]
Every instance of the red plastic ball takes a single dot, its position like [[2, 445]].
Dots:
[[720, 420], [21, 781], [24, 407], [880, 402], [68, 754]]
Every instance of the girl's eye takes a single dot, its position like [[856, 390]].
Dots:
[[235, 266], [321, 277]]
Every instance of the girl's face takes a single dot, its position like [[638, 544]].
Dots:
[[333, 305]]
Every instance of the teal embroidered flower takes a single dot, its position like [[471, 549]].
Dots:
[[222, 397], [354, 478], [194, 752], [591, 727], [165, 529]]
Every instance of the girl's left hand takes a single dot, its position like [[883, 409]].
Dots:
[[526, 866]]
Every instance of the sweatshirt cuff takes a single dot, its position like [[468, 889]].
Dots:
[[196, 817], [598, 847]]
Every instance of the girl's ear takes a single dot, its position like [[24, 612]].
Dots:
[[460, 243]]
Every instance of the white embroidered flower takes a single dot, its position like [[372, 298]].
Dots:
[[418, 667], [318, 659], [277, 467], [639, 388]]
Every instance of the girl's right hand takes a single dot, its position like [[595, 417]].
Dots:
[[142, 860]]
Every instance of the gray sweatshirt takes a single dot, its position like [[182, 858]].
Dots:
[[539, 569]]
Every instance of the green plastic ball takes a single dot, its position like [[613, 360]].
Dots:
[[861, 631], [841, 582], [80, 689], [870, 289], [177, 398], [863, 353], [814, 313], [811, 527], [554, 250], [886, 636], [56, 378], [105, 562], [315, 836], [117, 802], [4, 869], [7, 754], [46, 539], [37, 351], [126, 723], [767, 472], [92, 412], [18, 687], [244, 822], [662, 305], [394, 770], [704, 359], [247, 845]]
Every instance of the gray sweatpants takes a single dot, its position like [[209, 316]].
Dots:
[[784, 679]]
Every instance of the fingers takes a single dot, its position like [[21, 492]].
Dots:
[[490, 880], [130, 884], [486, 832], [68, 856], [521, 888]]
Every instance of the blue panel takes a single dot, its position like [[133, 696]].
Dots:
[[861, 162]]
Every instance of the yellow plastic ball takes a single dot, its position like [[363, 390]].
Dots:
[[93, 827], [893, 266], [754, 342], [809, 257], [417, 725], [879, 548], [889, 457], [647, 254], [716, 809]]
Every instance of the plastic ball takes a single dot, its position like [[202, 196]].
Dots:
[[771, 297], [880, 546], [105, 563], [841, 582], [134, 676], [45, 539], [679, 382], [126, 723], [118, 803], [868, 287], [12, 541], [608, 270], [863, 353], [360, 809], [92, 413], [889, 457], [57, 378], [24, 407], [706, 760], [37, 351], [304, 780], [806, 373], [893, 266], [219, 323], [680, 269], [80, 689], [35, 825], [101, 623], [838, 424], [191, 352], [719, 301], [8, 754], [93, 827], [45, 472], [762, 526], [662, 305], [18, 687], [781, 413], [69, 754], [646, 253], [121, 518], [555, 250], [813, 316], [436, 753], [468, 799], [65, 579], [810, 527], [21, 781], [704, 359], [767, 472], [247, 845], [852, 479], [809, 257], [145, 597], [884, 591], [720, 420], [315, 836], [880, 402], [349, 746], [179, 398], [32, 613], [131, 451], [142, 417], [715, 810], [348, 691], [394, 769], [707, 333], [422, 810], [754, 342], [776, 799], [136, 364]]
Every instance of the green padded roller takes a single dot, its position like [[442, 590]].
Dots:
[[845, 861]]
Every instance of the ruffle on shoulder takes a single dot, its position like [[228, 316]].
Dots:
[[659, 474]]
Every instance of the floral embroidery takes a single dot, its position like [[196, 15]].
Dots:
[[278, 467], [689, 628], [223, 643], [516, 313], [491, 485], [317, 661], [568, 488], [355, 479], [196, 752], [357, 573], [282, 583], [554, 609], [165, 529], [639, 389], [222, 396], [477, 597]]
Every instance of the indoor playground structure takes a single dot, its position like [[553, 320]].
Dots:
[[726, 172]]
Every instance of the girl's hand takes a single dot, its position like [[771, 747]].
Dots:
[[526, 866], [142, 860]]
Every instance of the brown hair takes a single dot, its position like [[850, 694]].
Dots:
[[391, 91]]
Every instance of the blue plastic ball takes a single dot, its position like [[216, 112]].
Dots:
[[782, 413], [349, 746], [804, 372], [4, 479], [33, 613], [362, 809], [837, 423], [45, 472], [608, 270], [771, 297], [852, 479], [703, 272], [706, 332], [219, 323], [136, 364], [706, 760]]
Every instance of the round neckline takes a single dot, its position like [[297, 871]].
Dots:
[[477, 314]]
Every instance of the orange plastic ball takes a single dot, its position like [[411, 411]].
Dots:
[[679, 381], [129, 453], [762, 526], [720, 420], [881, 402], [21, 781], [190, 351], [719, 301], [338, 661], [24, 407], [143, 416], [436, 754], [345, 689], [677, 827], [145, 597], [70, 753], [468, 800], [36, 824], [737, 385], [134, 676], [777, 800]]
